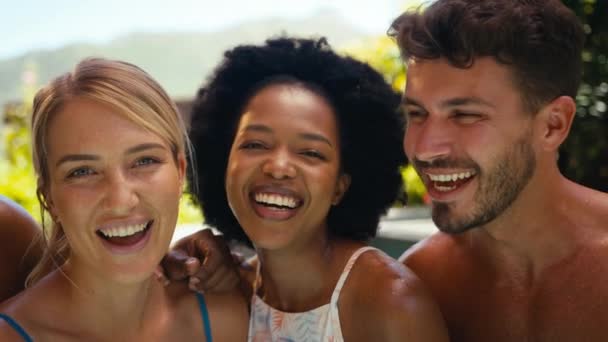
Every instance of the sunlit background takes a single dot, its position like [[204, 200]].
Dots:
[[180, 41], [29, 25]]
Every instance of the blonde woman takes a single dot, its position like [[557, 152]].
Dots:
[[110, 152]]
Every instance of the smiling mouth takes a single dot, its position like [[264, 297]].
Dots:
[[276, 201], [449, 181], [274, 206], [125, 235]]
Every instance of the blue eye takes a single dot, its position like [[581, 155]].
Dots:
[[80, 172], [146, 161]]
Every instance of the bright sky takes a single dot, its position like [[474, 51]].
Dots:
[[36, 24]]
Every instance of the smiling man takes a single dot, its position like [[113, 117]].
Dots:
[[523, 252]]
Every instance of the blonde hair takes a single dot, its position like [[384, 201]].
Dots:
[[123, 86]]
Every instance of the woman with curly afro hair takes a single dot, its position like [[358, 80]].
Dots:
[[299, 152]]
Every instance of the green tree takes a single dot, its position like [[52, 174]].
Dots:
[[584, 155], [18, 181]]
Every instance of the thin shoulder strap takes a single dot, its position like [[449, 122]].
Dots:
[[349, 265], [205, 314], [257, 280], [17, 327]]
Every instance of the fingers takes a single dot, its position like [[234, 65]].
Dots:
[[192, 266], [205, 260], [223, 279], [160, 276], [238, 258], [178, 265], [218, 273]]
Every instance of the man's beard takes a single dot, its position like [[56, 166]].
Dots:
[[497, 188]]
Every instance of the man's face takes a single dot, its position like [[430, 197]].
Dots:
[[469, 138]]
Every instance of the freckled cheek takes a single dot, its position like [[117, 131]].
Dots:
[[69, 204], [167, 193]]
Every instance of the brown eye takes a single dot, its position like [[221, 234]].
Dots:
[[415, 115], [313, 154], [252, 145], [466, 117]]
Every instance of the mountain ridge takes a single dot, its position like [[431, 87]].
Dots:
[[180, 61]]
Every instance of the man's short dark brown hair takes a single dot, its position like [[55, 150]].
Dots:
[[541, 41]]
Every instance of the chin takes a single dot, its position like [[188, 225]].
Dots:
[[133, 271], [270, 244]]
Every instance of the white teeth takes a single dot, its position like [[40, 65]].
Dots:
[[451, 177], [123, 231], [444, 188], [277, 200]]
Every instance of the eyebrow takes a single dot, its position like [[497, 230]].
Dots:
[[454, 102], [306, 136], [93, 157], [315, 137]]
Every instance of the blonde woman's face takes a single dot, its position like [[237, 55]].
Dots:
[[114, 188]]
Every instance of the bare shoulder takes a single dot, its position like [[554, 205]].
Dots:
[[11, 308], [384, 300], [16, 226], [601, 208], [227, 312], [15, 219], [18, 251], [29, 309], [589, 207], [229, 315], [8, 333], [422, 257]]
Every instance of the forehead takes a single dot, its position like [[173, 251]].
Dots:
[[429, 81], [290, 106], [85, 125]]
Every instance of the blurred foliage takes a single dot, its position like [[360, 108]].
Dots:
[[188, 211], [18, 180], [584, 155]]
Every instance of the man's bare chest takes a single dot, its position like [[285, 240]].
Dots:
[[559, 309]]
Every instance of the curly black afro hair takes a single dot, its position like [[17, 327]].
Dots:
[[367, 110]]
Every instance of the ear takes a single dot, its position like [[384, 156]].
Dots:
[[556, 120], [45, 200], [341, 187]]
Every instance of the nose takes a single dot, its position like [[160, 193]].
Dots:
[[279, 165], [429, 140], [120, 195]]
